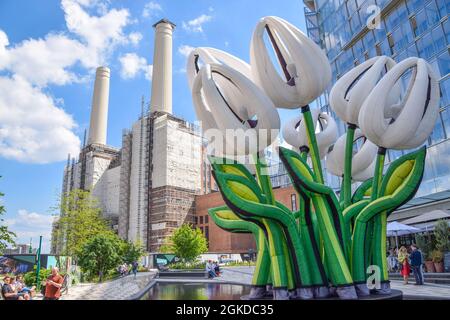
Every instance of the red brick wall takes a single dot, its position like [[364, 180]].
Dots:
[[221, 241]]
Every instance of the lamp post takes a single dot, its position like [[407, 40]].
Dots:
[[38, 264]]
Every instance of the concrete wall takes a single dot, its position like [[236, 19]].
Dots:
[[176, 155], [137, 223], [107, 191]]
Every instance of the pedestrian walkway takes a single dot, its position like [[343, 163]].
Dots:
[[118, 289], [427, 291]]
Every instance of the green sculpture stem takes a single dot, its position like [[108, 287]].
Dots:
[[313, 148], [281, 262], [264, 178], [296, 261], [378, 174], [364, 231], [347, 179]]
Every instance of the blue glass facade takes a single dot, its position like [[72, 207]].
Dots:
[[407, 28]]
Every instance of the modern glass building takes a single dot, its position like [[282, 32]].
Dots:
[[344, 29]]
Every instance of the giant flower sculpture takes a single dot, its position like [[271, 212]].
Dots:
[[324, 245]]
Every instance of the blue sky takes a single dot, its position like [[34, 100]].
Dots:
[[49, 50]]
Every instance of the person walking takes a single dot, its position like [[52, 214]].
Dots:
[[134, 268], [403, 259], [392, 261], [53, 285], [209, 268], [416, 264]]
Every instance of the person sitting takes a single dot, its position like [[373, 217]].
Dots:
[[216, 268], [209, 268], [21, 288], [9, 293]]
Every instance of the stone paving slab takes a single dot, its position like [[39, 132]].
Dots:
[[118, 289]]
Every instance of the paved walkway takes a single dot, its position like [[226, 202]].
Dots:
[[119, 289], [427, 291]]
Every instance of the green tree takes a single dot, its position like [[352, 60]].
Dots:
[[187, 243], [100, 254], [424, 245], [132, 252], [441, 233], [6, 236], [80, 220]]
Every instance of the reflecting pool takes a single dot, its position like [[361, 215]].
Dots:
[[196, 291]]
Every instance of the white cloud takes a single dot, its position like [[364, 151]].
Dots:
[[135, 37], [28, 225], [32, 128], [150, 9], [100, 34], [196, 25], [185, 50], [132, 65]]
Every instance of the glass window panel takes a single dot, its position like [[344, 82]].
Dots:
[[411, 51], [355, 23], [398, 15], [445, 115], [401, 56], [446, 26], [443, 7], [438, 38], [445, 91], [402, 36], [380, 31], [435, 66], [425, 46], [385, 48], [438, 132], [382, 3], [432, 13], [414, 5], [444, 63], [358, 49], [351, 6], [421, 23]]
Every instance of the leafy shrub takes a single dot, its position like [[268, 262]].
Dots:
[[187, 265], [441, 232], [437, 256], [30, 277]]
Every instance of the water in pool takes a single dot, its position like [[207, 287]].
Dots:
[[196, 291]]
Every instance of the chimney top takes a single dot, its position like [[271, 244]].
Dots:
[[165, 21]]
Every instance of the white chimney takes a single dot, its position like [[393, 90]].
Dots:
[[99, 111], [161, 99]]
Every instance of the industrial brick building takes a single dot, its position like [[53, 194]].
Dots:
[[147, 188]]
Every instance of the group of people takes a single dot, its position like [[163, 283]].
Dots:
[[213, 269], [124, 269], [406, 261], [14, 288]]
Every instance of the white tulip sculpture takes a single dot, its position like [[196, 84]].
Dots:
[[227, 103], [398, 125], [294, 133], [306, 74], [362, 160], [346, 99], [327, 241]]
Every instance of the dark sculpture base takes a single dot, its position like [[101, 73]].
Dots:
[[394, 295]]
